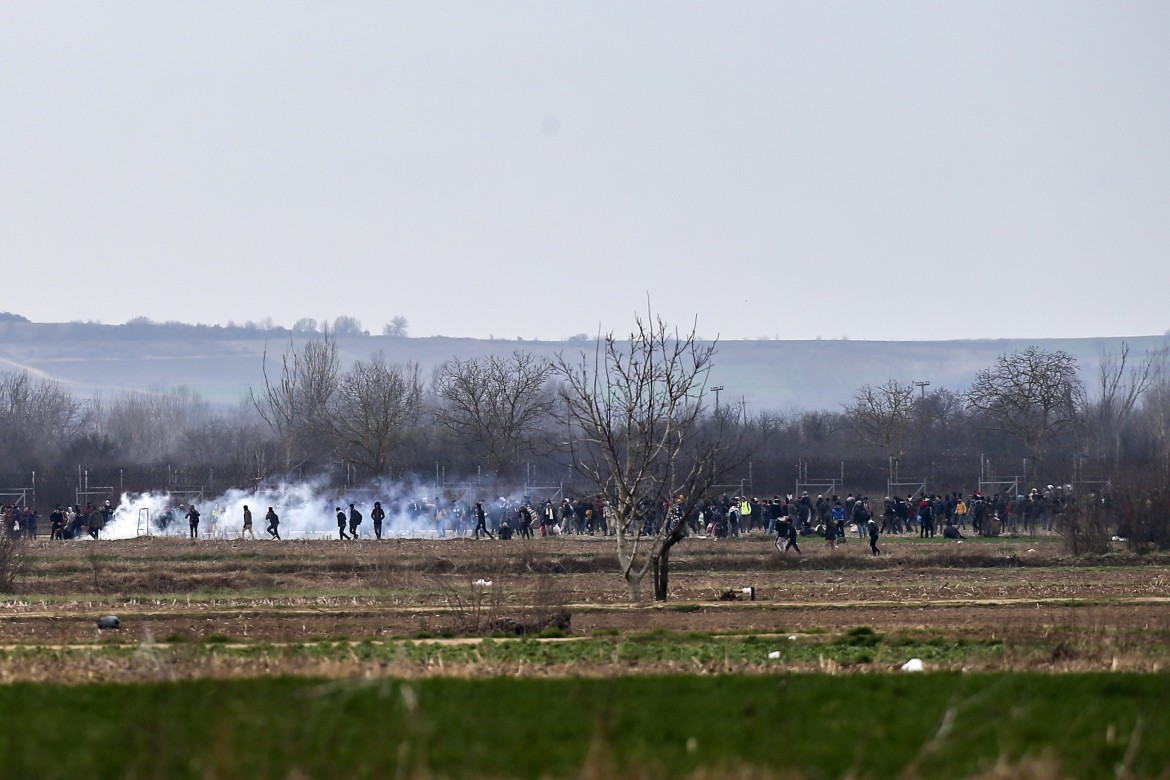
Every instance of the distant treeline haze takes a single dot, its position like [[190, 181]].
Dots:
[[498, 420]]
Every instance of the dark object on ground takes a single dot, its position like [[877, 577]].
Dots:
[[562, 620], [734, 594], [108, 621]]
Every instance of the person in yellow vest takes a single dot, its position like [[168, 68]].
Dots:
[[961, 513]]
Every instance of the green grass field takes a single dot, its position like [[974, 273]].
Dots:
[[812, 726]]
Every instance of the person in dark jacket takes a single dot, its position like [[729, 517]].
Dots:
[[786, 534], [247, 529], [480, 521], [524, 514], [96, 522], [192, 521], [273, 523], [377, 514], [859, 514], [872, 526], [341, 524], [57, 523], [355, 519], [930, 516]]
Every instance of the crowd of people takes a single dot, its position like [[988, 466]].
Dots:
[[791, 517], [788, 516], [70, 522]]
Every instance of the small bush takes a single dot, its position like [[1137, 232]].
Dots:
[[1086, 527], [860, 636], [12, 560]]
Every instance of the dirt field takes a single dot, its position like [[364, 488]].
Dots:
[[171, 592]]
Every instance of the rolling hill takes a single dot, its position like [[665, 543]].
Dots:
[[221, 364]]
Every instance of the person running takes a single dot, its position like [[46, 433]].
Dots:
[[341, 524], [96, 522], [481, 521], [273, 523], [193, 521], [247, 529]]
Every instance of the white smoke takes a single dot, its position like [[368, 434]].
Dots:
[[307, 510]]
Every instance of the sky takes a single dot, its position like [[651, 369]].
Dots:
[[538, 170]]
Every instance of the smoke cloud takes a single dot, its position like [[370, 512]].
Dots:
[[307, 510]]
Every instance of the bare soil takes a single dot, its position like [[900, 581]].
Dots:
[[173, 590]]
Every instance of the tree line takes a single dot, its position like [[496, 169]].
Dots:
[[517, 418]]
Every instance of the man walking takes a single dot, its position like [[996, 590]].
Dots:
[[355, 519], [872, 526], [247, 529], [525, 514], [193, 521]]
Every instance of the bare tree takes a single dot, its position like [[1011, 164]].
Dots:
[[296, 404], [1120, 385], [938, 418], [1155, 413], [1032, 396], [12, 559], [881, 416], [149, 425], [37, 418], [500, 405], [635, 412], [396, 327], [347, 326], [375, 410], [235, 441]]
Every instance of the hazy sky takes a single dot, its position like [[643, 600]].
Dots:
[[870, 170]]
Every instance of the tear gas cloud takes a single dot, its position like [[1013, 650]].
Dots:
[[307, 510]]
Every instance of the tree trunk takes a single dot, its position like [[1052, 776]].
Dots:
[[634, 583], [662, 575]]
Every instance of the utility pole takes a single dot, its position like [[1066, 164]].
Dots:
[[716, 390], [922, 386]]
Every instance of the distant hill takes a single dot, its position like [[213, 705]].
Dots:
[[221, 364]]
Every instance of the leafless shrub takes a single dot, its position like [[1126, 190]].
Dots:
[[12, 560], [482, 605], [548, 608], [1142, 506], [475, 606], [96, 565], [1086, 527]]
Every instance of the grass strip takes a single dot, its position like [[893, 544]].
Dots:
[[815, 726], [858, 649]]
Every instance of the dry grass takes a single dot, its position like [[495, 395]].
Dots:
[[1051, 611]]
